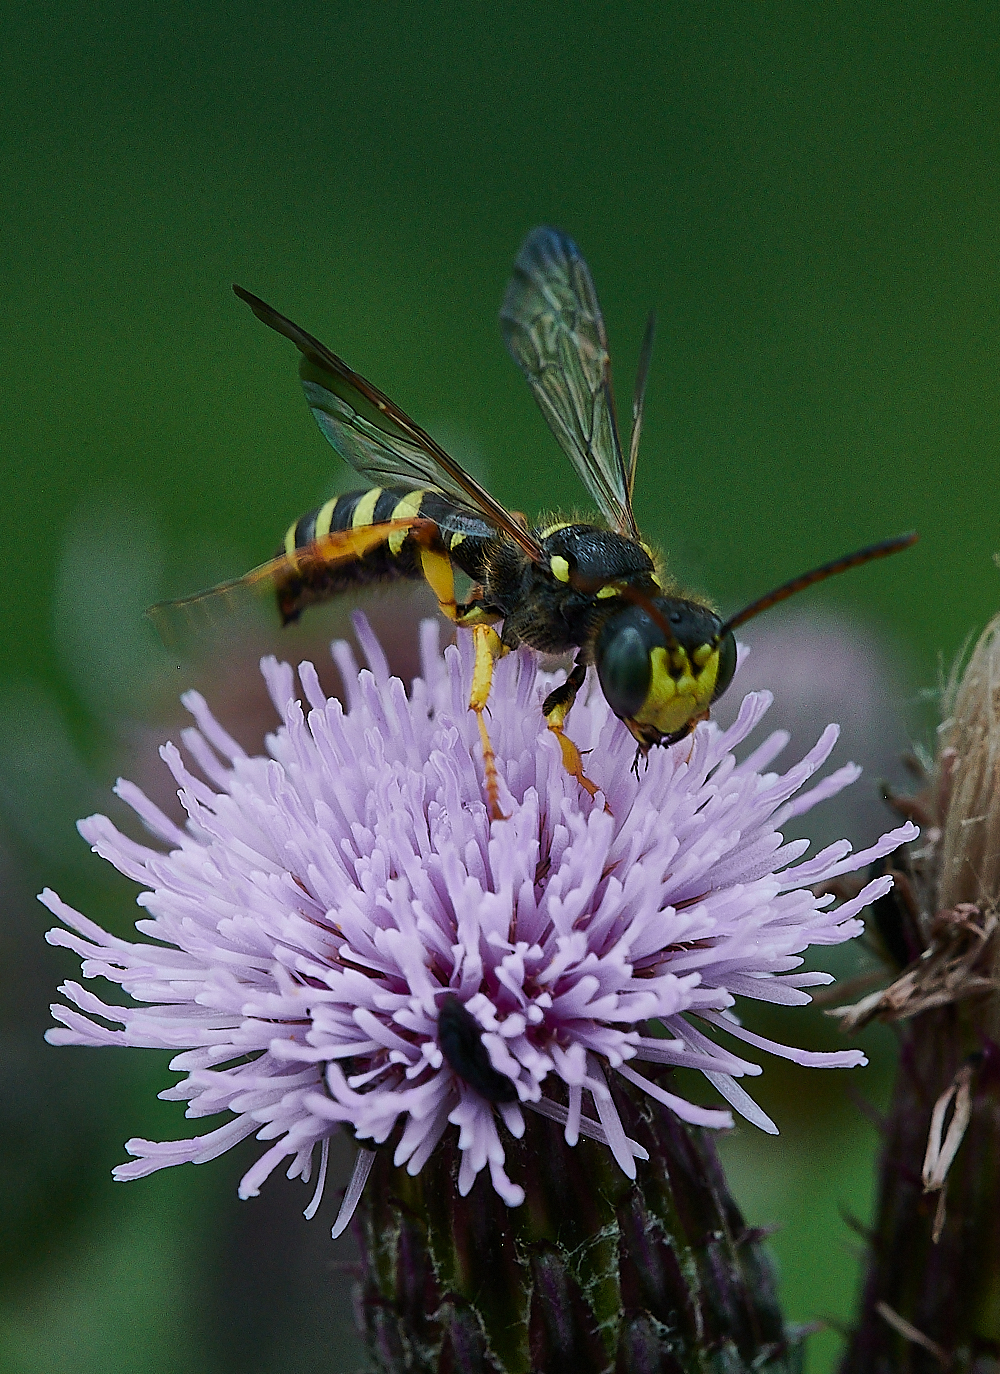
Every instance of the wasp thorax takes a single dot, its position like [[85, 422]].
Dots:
[[658, 686]]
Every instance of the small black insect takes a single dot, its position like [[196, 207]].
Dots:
[[461, 1040]]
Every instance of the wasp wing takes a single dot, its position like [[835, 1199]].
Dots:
[[376, 437], [552, 324], [639, 397], [204, 612]]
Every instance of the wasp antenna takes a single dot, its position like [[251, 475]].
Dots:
[[640, 599], [820, 574]]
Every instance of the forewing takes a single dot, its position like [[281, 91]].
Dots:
[[552, 324], [385, 458], [203, 613], [375, 436]]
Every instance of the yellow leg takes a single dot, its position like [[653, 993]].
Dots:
[[572, 760], [440, 576], [555, 708], [488, 650], [436, 568]]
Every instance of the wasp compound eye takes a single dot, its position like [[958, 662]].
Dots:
[[623, 665], [461, 1041], [727, 664]]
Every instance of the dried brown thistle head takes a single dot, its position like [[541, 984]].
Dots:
[[968, 780], [946, 899]]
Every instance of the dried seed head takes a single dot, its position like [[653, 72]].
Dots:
[[968, 780]]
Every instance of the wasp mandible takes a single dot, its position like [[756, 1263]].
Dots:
[[662, 659]]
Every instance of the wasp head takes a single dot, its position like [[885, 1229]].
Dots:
[[661, 685]]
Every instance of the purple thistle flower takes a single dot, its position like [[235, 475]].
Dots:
[[342, 936]]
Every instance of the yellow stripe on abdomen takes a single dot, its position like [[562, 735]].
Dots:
[[406, 509], [321, 526], [364, 511]]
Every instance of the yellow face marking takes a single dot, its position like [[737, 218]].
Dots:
[[324, 515], [551, 529], [702, 654], [404, 510], [560, 568], [608, 590], [364, 511], [661, 684], [678, 692]]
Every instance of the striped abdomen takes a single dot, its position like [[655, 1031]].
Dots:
[[464, 536]]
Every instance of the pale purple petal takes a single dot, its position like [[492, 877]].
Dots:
[[362, 1168], [815, 1059]]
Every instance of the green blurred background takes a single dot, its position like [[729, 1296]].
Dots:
[[809, 196]]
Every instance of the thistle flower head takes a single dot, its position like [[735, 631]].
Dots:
[[340, 935]]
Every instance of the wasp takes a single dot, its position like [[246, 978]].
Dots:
[[596, 591]]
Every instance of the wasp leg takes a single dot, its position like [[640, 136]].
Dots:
[[695, 720], [437, 568], [488, 650], [439, 574], [686, 733], [555, 708]]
